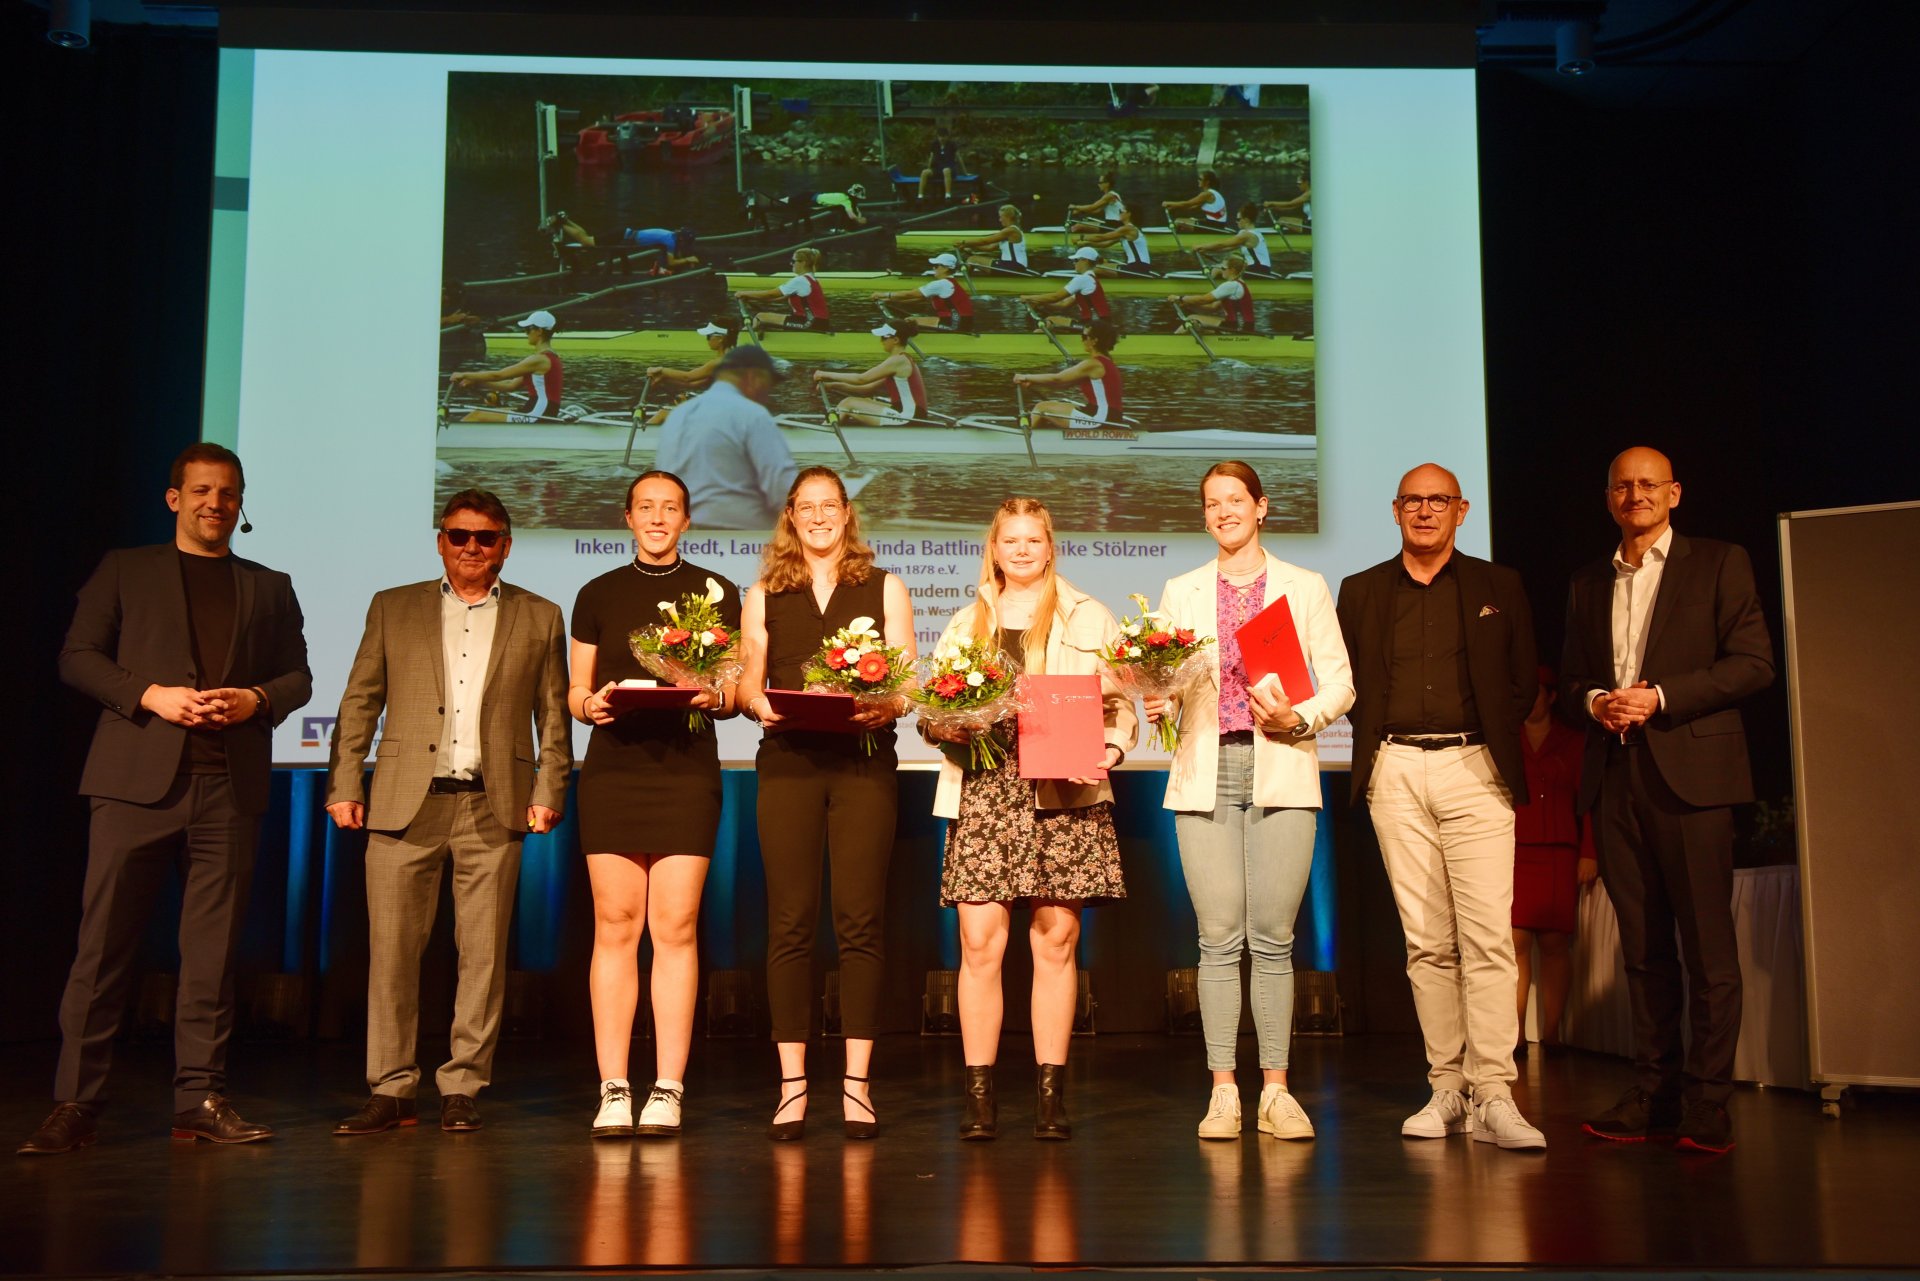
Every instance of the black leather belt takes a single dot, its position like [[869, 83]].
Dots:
[[1435, 742], [443, 785]]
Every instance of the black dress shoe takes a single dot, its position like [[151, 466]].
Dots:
[[858, 1129], [787, 1131], [1636, 1115], [982, 1117], [380, 1112], [458, 1114], [1050, 1099], [216, 1122], [68, 1126], [1704, 1127]]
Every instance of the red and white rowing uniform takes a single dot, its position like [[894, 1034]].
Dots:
[[543, 391], [951, 304], [1236, 304], [807, 303], [1103, 395], [909, 394], [1088, 296]]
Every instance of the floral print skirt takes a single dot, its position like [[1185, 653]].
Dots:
[[1002, 849]]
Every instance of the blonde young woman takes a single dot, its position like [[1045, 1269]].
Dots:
[[820, 790], [1049, 844], [1245, 790]]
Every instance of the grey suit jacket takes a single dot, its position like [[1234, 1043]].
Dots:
[[401, 668], [130, 630]]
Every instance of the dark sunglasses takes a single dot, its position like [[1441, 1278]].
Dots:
[[485, 537]]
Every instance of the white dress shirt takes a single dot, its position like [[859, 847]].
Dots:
[[466, 639], [1635, 587]]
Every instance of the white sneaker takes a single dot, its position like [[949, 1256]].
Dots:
[[1447, 1112], [1499, 1121], [1223, 1114], [660, 1118], [614, 1120], [1281, 1115]]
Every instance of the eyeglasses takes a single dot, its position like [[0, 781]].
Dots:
[[807, 511], [1411, 503], [485, 537], [1647, 487]]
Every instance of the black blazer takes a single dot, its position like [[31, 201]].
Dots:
[[130, 630], [1707, 648], [1501, 662]]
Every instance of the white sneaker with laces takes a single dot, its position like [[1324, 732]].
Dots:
[[660, 1118], [1447, 1112], [1223, 1114], [1281, 1115], [1499, 1121], [615, 1118]]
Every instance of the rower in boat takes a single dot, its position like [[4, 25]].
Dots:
[[1300, 207], [1003, 251], [673, 246], [896, 377], [1208, 207], [1136, 257], [847, 202], [806, 301], [720, 340], [1228, 306], [539, 374], [1101, 213], [1097, 377], [948, 297], [1249, 241], [1082, 295]]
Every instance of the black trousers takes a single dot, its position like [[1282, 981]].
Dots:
[[1668, 867], [815, 801], [197, 828]]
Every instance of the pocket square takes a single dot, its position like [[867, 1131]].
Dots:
[[1486, 610]]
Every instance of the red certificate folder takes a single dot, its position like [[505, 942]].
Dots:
[[627, 698], [1063, 731], [800, 710], [1270, 647]]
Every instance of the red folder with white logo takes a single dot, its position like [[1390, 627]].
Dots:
[[1063, 731], [1269, 646]]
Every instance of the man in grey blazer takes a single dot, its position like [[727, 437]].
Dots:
[[194, 654], [465, 668]]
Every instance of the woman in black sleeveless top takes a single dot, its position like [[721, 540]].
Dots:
[[819, 789]]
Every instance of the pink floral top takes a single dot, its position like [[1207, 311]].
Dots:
[[1236, 606]]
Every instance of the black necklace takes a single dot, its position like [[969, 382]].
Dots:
[[652, 571]]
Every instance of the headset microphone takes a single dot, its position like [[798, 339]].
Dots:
[[246, 526]]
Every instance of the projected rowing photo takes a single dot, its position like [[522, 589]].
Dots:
[[932, 286]]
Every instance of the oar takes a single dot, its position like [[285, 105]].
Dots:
[[446, 398], [833, 425], [1192, 327], [1047, 329], [1025, 422], [639, 420], [747, 325]]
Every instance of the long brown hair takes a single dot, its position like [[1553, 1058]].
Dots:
[[985, 622], [783, 566]]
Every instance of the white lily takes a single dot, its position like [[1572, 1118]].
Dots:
[[1131, 629], [666, 607], [714, 592], [861, 626]]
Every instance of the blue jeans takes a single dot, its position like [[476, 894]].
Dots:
[[1246, 867]]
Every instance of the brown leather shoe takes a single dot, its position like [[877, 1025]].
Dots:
[[68, 1126], [216, 1122], [458, 1113], [379, 1112]]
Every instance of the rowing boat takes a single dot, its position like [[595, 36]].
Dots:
[[1160, 240], [987, 282], [809, 436], [858, 345]]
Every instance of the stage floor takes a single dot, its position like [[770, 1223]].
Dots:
[[1134, 1188]]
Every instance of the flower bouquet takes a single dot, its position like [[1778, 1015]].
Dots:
[[691, 648], [1157, 660], [973, 688], [855, 660]]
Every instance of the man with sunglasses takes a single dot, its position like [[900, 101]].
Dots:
[[465, 668], [1664, 639], [1444, 674]]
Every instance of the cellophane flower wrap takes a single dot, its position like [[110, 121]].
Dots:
[[692, 648], [1157, 660], [856, 660], [973, 688]]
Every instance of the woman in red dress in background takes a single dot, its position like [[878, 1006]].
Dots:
[[1553, 856]]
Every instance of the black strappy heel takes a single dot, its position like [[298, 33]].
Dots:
[[787, 1131], [861, 1129]]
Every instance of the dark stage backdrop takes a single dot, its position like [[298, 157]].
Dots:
[[1713, 270]]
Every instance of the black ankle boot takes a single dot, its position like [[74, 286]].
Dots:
[[981, 1120], [1050, 1112]]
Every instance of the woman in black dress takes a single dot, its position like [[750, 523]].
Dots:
[[649, 809], [822, 789]]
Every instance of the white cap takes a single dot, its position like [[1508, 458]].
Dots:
[[539, 320], [944, 260], [1087, 252], [709, 329], [884, 331]]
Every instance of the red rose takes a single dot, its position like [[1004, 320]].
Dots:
[[837, 658], [675, 636], [1184, 636], [872, 668], [1159, 640], [950, 685], [719, 635]]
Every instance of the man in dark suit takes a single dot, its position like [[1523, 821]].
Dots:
[[195, 654], [464, 667], [1444, 673], [1663, 640]]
